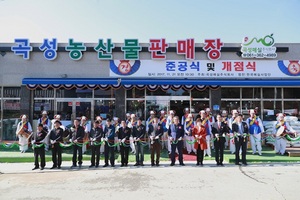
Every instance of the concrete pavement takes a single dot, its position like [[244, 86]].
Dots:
[[261, 181]]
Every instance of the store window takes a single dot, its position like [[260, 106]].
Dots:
[[291, 108], [230, 93], [86, 93], [271, 108], [292, 93], [11, 112], [169, 92], [198, 105], [104, 105], [74, 93], [200, 94], [43, 100], [135, 93], [230, 105], [136, 107], [157, 105], [200, 100], [64, 109], [271, 93], [64, 93], [231, 99], [110, 93], [104, 108], [247, 105], [278, 93], [251, 93]]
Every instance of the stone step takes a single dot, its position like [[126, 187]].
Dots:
[[293, 151]]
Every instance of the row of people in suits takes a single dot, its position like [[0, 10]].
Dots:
[[97, 134], [155, 131], [253, 122], [165, 125]]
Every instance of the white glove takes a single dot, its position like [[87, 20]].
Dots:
[[217, 135], [151, 137], [170, 138], [119, 140], [70, 140], [134, 139], [180, 138], [157, 137], [94, 139], [123, 140], [32, 142], [75, 141], [106, 139], [52, 141], [102, 139], [196, 136]]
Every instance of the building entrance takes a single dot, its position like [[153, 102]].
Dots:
[[178, 106], [167, 103], [73, 108]]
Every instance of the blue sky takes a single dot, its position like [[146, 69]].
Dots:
[[88, 20]]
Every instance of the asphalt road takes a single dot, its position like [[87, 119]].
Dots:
[[259, 181]]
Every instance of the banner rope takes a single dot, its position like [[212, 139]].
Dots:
[[145, 142]]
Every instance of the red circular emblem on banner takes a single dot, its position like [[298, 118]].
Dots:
[[124, 67]]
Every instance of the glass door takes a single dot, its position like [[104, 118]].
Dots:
[[73, 108], [158, 103], [178, 106]]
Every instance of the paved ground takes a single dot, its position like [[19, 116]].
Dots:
[[261, 181]]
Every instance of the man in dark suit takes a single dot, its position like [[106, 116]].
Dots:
[[219, 130], [155, 132], [240, 131], [96, 134], [39, 149], [124, 135], [109, 138], [56, 136], [176, 134], [77, 138], [139, 135]]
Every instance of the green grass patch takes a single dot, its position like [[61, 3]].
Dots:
[[13, 155], [268, 156]]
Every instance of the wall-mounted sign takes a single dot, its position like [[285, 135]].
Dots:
[[213, 46], [259, 48], [216, 107], [131, 48], [221, 69]]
